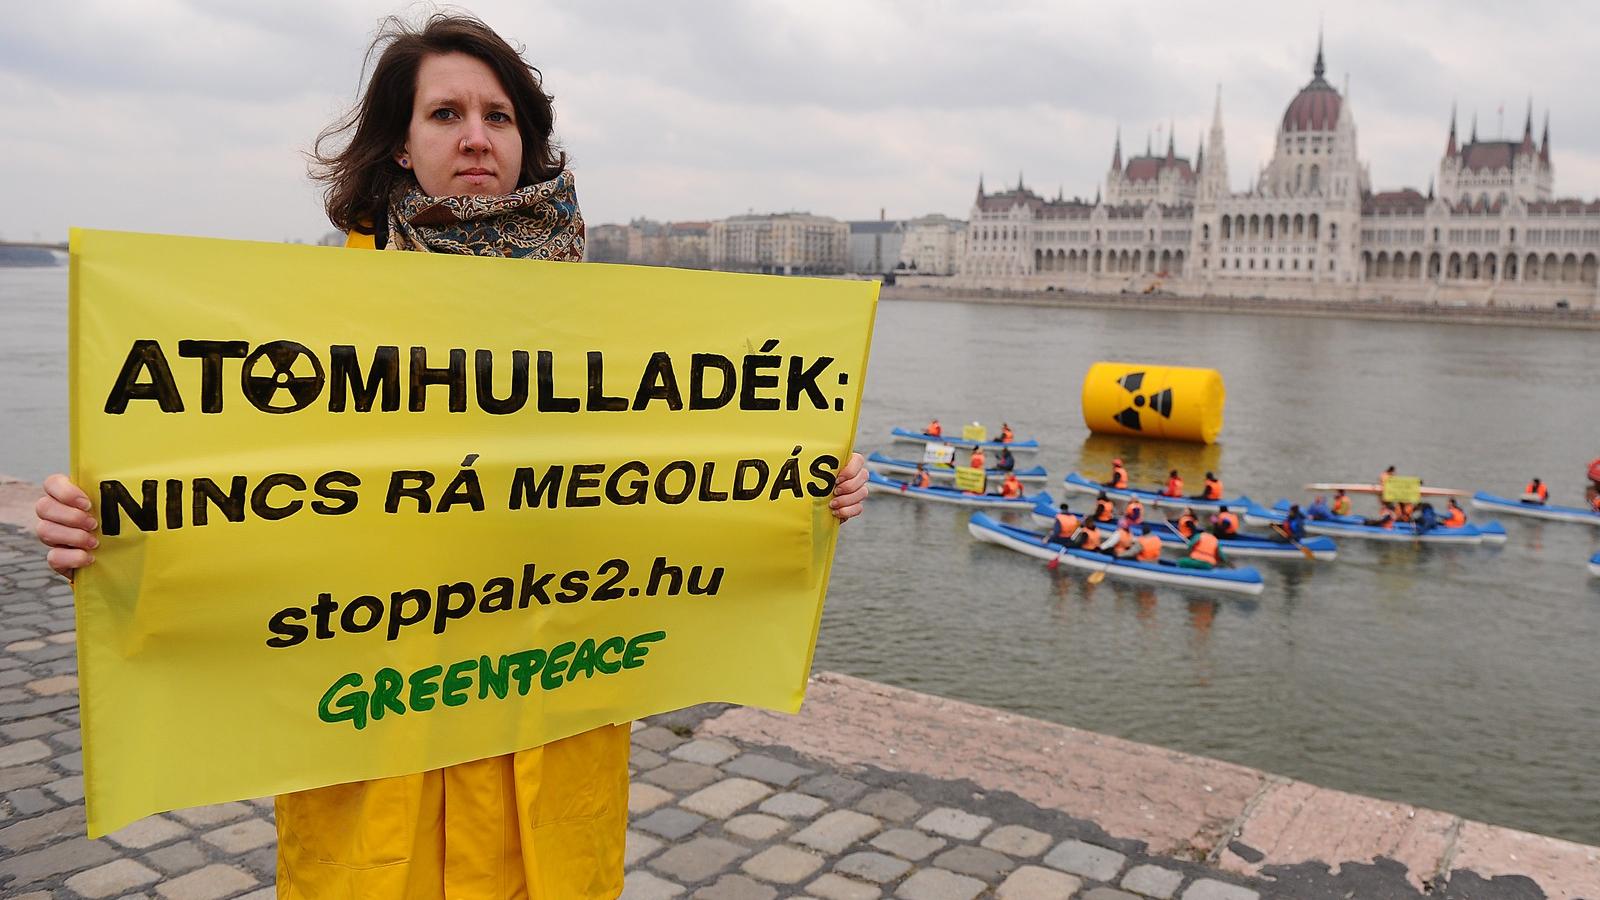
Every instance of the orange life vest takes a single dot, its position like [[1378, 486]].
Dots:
[[1403, 512], [1134, 510], [1542, 490], [924, 479], [1595, 502], [1119, 477], [1204, 549], [1174, 487], [934, 429], [1091, 536], [1124, 540], [1006, 435], [1455, 518], [1104, 510], [978, 460], [1213, 489], [1187, 526], [1067, 523], [1149, 548], [1387, 519], [1341, 506], [1594, 470], [1011, 487], [1229, 522]]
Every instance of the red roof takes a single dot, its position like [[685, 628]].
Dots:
[[1394, 203], [1315, 108], [1565, 205], [1148, 168]]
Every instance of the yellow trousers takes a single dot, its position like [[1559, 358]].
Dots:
[[540, 824]]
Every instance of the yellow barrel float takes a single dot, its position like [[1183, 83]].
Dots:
[[1173, 403]]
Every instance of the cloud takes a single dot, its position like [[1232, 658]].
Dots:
[[191, 117]]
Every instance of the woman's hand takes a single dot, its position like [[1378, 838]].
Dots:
[[66, 527], [850, 491]]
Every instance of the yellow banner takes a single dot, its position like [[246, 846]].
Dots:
[[365, 514], [974, 432], [1402, 489], [970, 478]]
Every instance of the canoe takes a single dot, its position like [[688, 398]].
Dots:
[[878, 483], [1483, 500], [1241, 545], [1351, 526], [906, 435], [1331, 486], [881, 463], [1594, 565], [1238, 581], [1080, 485]]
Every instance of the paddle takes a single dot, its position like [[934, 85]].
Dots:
[[1304, 550]]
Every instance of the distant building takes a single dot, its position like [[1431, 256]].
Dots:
[[689, 245], [781, 244], [932, 245], [875, 245], [1309, 226], [647, 243], [606, 244]]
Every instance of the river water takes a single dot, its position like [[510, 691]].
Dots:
[[1463, 678]]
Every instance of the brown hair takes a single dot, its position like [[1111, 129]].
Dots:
[[360, 175]]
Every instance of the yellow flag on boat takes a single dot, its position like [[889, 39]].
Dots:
[[970, 478], [367, 514], [974, 432], [1402, 489]]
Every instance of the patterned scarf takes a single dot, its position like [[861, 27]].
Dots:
[[537, 221]]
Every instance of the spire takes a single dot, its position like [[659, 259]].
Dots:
[[1527, 131], [1319, 67], [1171, 127], [1544, 145], [1474, 138], [1450, 150], [1116, 153], [980, 185], [1147, 145], [1216, 111], [1430, 187], [1061, 193], [1096, 196], [1199, 154], [1019, 181]]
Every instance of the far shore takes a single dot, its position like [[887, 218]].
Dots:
[[1394, 311]]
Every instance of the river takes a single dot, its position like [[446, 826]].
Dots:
[[1458, 678]]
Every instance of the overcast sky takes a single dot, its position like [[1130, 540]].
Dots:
[[191, 117]]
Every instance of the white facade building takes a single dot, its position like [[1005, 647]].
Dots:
[[1310, 225], [780, 244], [932, 246]]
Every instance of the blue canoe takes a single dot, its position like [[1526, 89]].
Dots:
[[1081, 485], [1594, 565], [1238, 581], [1242, 545], [878, 483], [1353, 526], [880, 463], [1483, 500], [954, 440]]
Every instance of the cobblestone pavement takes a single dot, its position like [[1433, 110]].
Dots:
[[710, 817]]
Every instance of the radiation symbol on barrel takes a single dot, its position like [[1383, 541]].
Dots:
[[1159, 402], [296, 377]]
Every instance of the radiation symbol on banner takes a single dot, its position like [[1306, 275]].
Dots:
[[1160, 402], [294, 369]]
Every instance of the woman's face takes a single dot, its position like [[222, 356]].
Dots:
[[463, 137]]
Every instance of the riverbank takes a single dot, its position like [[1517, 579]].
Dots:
[[871, 791], [1392, 311]]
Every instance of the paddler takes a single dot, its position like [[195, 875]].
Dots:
[[1383, 480], [934, 429], [1224, 524], [1212, 489], [1149, 547], [1188, 526], [1318, 509], [1121, 540], [1593, 490], [1005, 462], [1426, 518], [1293, 527], [1011, 488], [1119, 476], [923, 478], [1006, 435], [1385, 519], [978, 461], [1104, 509], [1205, 552], [1454, 516], [1134, 511], [1063, 527], [1087, 537], [1341, 503], [1537, 492], [1174, 486]]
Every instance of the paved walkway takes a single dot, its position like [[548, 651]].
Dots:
[[871, 792]]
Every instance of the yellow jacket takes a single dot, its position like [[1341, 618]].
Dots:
[[540, 824]]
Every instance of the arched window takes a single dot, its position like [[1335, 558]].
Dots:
[[1314, 185], [1311, 224], [1333, 231], [1299, 177], [1205, 232]]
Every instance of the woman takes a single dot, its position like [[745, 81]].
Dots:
[[449, 151]]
